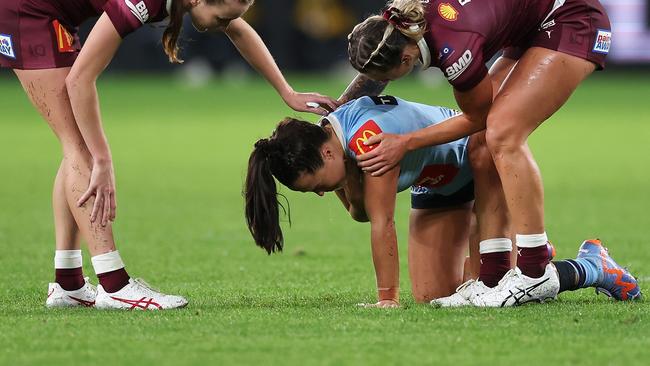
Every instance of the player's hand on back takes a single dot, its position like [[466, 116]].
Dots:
[[310, 102], [385, 156], [102, 186]]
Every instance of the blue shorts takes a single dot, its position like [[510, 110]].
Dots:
[[424, 198]]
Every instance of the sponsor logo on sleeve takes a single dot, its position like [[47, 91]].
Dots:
[[366, 131], [64, 40], [457, 68], [445, 52], [603, 41], [7, 46], [436, 175], [139, 10], [447, 12]]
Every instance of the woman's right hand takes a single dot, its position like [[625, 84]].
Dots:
[[102, 186]]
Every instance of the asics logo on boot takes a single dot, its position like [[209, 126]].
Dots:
[[522, 294]]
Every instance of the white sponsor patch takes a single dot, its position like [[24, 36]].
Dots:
[[459, 66], [603, 41], [7, 46], [139, 10]]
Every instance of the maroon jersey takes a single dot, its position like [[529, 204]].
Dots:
[[42, 34], [129, 15], [463, 35]]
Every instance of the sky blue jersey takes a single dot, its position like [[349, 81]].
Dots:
[[441, 169]]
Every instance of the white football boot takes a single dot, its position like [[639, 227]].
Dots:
[[463, 296], [57, 297], [137, 295], [515, 288]]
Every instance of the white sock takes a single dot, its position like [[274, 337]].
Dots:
[[495, 245], [531, 240], [107, 262], [67, 259]]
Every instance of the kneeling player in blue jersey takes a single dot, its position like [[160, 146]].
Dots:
[[322, 158]]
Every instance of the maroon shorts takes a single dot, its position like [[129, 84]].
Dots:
[[33, 38], [578, 27]]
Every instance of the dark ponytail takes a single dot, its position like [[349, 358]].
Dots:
[[173, 31], [293, 148]]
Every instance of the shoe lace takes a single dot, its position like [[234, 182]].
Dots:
[[90, 285], [509, 276], [142, 283], [465, 285]]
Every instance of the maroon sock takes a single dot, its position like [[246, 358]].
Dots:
[[114, 281], [69, 279], [493, 267], [532, 261]]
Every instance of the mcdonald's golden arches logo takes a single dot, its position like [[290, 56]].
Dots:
[[366, 131], [64, 39]]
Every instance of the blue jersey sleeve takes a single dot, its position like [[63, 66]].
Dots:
[[365, 117]]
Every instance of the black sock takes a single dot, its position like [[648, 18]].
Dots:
[[572, 276]]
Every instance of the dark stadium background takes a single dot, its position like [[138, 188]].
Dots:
[[310, 35]]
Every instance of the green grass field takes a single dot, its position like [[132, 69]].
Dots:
[[180, 156]]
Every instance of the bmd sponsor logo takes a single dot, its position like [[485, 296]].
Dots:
[[139, 10], [603, 41], [7, 46], [459, 66]]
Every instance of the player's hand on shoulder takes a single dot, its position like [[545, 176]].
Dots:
[[310, 102], [386, 155]]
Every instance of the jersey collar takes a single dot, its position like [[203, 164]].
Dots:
[[336, 125]]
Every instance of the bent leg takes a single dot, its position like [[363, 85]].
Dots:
[[539, 85], [47, 92], [65, 228], [438, 242]]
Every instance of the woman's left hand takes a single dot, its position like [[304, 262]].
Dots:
[[310, 102], [385, 156]]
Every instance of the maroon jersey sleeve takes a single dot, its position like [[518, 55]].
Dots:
[[129, 15], [464, 62]]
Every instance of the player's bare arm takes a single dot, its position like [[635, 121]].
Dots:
[[361, 86], [96, 54], [252, 48], [379, 199], [475, 105]]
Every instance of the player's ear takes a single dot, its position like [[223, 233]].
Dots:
[[326, 152]]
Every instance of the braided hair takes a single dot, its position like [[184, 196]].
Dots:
[[374, 45], [293, 149]]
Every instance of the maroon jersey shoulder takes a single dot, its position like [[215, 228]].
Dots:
[[464, 34], [129, 15], [457, 43]]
